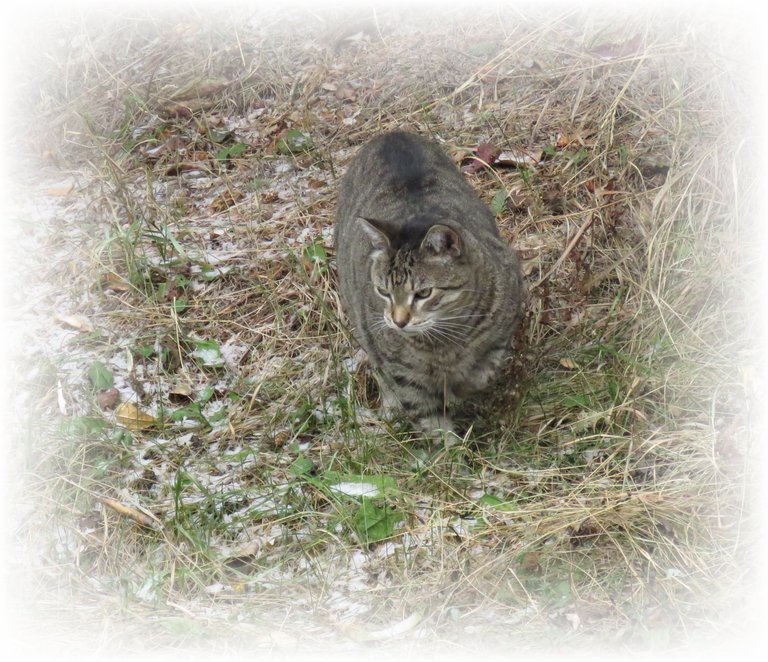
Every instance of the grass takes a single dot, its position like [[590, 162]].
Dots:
[[604, 497]]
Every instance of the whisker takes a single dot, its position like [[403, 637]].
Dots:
[[462, 317], [435, 333]]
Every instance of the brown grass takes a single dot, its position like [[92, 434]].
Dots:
[[605, 501]]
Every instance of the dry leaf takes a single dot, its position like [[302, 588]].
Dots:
[[460, 154], [115, 282], [573, 619], [77, 322], [269, 197], [345, 92], [108, 399], [565, 139], [225, 200], [531, 563], [62, 402], [624, 49], [62, 191], [131, 513], [519, 157], [485, 155], [569, 364], [181, 391], [198, 89], [129, 415]]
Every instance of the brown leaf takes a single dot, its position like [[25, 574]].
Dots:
[[108, 399], [77, 322], [485, 155], [623, 49], [460, 154], [225, 200], [531, 563], [345, 92], [115, 282], [269, 197], [62, 191], [519, 157], [131, 513], [130, 416], [176, 110], [170, 146], [565, 139], [181, 391], [199, 89]]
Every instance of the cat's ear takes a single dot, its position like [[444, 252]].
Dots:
[[443, 241], [375, 232]]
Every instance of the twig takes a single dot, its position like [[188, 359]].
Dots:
[[571, 245]]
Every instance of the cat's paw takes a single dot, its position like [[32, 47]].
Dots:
[[439, 429], [390, 406]]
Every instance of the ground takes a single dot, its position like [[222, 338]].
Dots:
[[198, 462]]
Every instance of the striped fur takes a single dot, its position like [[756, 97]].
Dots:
[[432, 292]]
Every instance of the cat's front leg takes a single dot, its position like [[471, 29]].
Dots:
[[439, 429]]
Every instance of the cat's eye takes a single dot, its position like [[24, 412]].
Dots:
[[422, 294], [382, 292]]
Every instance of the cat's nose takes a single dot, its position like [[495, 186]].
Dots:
[[401, 316]]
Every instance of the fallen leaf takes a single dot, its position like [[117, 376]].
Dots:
[[345, 92], [460, 154], [130, 416], [176, 110], [77, 322], [395, 630], [115, 282], [573, 619], [519, 157], [531, 563], [565, 139], [172, 145], [614, 50], [61, 400], [569, 364], [186, 166], [269, 197], [131, 513], [108, 399], [181, 391], [198, 89], [485, 155], [62, 191], [225, 200]]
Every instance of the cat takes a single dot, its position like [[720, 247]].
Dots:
[[432, 292]]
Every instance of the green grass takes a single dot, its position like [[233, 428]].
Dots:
[[602, 497]]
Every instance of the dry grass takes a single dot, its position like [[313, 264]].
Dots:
[[604, 501]]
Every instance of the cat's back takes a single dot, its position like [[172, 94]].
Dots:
[[401, 162], [399, 174]]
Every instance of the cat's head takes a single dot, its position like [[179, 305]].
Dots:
[[420, 273]]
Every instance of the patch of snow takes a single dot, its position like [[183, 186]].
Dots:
[[356, 489]]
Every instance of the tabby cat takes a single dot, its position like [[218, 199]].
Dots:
[[432, 292]]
